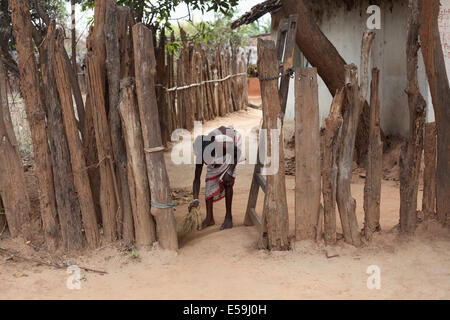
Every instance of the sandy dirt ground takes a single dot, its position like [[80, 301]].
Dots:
[[214, 264]]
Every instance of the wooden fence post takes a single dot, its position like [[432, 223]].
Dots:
[[433, 58], [372, 186], [346, 143], [275, 214], [13, 191], [29, 80], [307, 154], [429, 173], [124, 219], [108, 192], [411, 154], [329, 166], [148, 111], [77, 157], [144, 224], [69, 212]]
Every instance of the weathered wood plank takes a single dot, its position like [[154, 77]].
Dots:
[[307, 154]]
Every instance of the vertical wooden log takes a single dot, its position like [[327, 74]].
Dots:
[[67, 203], [433, 58], [172, 83], [91, 154], [226, 71], [329, 166], [372, 186], [180, 93], [161, 80], [346, 141], [77, 157], [216, 92], [275, 215], [220, 84], [148, 111], [12, 181], [124, 220], [124, 16], [429, 173], [144, 224], [411, 155], [190, 74], [108, 198], [199, 89], [307, 154], [29, 80]]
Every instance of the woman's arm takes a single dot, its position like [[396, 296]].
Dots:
[[196, 186]]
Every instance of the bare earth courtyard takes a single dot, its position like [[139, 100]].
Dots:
[[214, 264]]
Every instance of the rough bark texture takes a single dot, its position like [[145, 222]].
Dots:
[[67, 203], [124, 24], [12, 181], [411, 155], [148, 111], [429, 172], [346, 203], [124, 219], [80, 174], [372, 186], [29, 80], [144, 224], [307, 154], [275, 219], [91, 155], [440, 93], [329, 166], [108, 194]]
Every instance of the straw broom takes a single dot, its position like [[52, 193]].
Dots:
[[191, 222]]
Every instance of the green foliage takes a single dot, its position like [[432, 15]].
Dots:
[[157, 12], [134, 254], [217, 32]]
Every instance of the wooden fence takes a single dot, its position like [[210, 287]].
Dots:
[[198, 85]]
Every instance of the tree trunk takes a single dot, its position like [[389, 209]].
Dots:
[[29, 80], [148, 111], [125, 218], [275, 213], [321, 53], [307, 154], [80, 175], [346, 142], [411, 155], [440, 93], [108, 192], [144, 224], [69, 211], [429, 173], [12, 180], [329, 166], [372, 186]]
